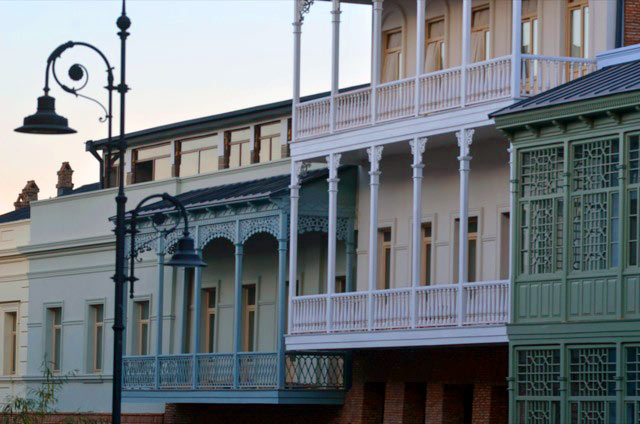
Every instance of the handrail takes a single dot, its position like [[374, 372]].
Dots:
[[559, 58], [490, 61]]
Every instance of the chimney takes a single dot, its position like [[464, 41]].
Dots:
[[28, 195], [65, 185]]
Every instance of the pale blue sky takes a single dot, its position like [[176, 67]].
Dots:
[[186, 59]]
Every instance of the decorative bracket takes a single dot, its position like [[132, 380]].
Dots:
[[587, 120], [560, 125], [535, 131], [418, 145], [375, 154], [465, 139], [303, 8], [616, 116]]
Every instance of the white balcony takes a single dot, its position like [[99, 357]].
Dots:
[[446, 90], [483, 312]]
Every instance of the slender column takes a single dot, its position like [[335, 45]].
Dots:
[[513, 189], [335, 58], [296, 169], [197, 304], [185, 311], [160, 253], [375, 154], [516, 48], [465, 137], [297, 41], [282, 298], [333, 160], [417, 150], [350, 254], [466, 48], [420, 40], [376, 53], [237, 322]]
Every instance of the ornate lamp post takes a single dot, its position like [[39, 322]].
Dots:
[[47, 121]]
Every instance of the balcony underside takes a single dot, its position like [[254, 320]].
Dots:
[[263, 397], [454, 335]]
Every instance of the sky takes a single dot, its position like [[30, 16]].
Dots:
[[185, 59]]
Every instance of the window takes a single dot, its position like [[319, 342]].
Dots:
[[384, 258], [480, 35], [434, 56], [210, 317], [472, 248], [392, 55], [10, 342], [113, 175], [141, 329], [341, 284], [238, 147], [530, 27], [268, 136], [198, 156], [54, 321], [249, 316], [152, 163], [426, 254], [96, 337], [504, 244], [578, 28], [189, 308]]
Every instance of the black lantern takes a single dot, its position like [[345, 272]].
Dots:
[[46, 120], [186, 255]]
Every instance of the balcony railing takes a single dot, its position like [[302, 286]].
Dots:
[[217, 371], [483, 303], [437, 91]]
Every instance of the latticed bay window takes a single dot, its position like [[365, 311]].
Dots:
[[538, 386], [592, 384]]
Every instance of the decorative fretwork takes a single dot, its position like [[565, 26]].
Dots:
[[592, 371], [632, 383], [139, 373], [209, 232], [538, 372], [538, 412], [634, 159], [317, 223], [308, 370], [541, 172], [541, 224], [175, 372], [593, 412], [215, 371], [267, 224], [595, 165]]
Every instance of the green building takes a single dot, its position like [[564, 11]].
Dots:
[[574, 351]]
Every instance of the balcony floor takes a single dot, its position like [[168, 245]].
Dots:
[[247, 397], [441, 336]]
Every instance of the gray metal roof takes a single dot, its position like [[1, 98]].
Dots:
[[615, 79]]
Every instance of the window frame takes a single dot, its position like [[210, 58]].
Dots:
[[179, 151], [441, 39], [10, 340], [228, 145], [94, 324], [208, 312], [484, 29], [53, 360], [249, 340], [384, 273], [426, 257], [471, 236], [571, 6], [139, 322], [135, 161], [259, 138], [386, 51]]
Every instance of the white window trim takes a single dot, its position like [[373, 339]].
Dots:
[[6, 308], [131, 320], [453, 216], [45, 340], [89, 335]]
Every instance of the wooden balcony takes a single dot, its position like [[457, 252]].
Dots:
[[445, 90]]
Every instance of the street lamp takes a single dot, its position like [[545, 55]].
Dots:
[[47, 121]]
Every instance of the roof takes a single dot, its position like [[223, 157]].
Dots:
[[233, 193], [25, 213], [611, 80]]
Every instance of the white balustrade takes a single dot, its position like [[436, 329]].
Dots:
[[396, 99], [486, 302], [309, 314], [542, 73], [436, 306], [313, 117], [440, 90], [489, 80], [353, 109], [391, 308], [349, 311]]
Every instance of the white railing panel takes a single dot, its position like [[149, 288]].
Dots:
[[436, 306], [542, 73], [391, 308], [489, 80], [349, 311], [353, 109], [396, 100], [309, 314], [440, 90], [313, 117], [486, 302]]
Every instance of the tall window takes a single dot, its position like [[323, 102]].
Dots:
[[189, 308], [238, 147], [268, 142], [434, 57], [426, 254], [530, 27], [472, 248], [198, 155], [96, 321], [10, 342], [249, 316], [505, 224], [384, 258], [113, 175], [210, 319], [480, 34], [152, 163], [54, 320], [392, 55], [141, 329], [341, 284], [578, 28]]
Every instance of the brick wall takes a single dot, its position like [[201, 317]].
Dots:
[[631, 22]]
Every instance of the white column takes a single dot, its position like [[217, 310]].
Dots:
[[296, 169], [197, 291], [513, 182], [375, 154], [297, 39], [417, 150], [282, 297], [516, 48], [335, 59], [420, 48], [465, 137], [376, 56], [333, 160], [160, 254], [237, 310], [466, 48]]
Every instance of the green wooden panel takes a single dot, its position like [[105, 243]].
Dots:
[[631, 300], [539, 301], [593, 298]]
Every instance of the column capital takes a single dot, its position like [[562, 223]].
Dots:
[[333, 160], [465, 137], [375, 154], [418, 145]]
